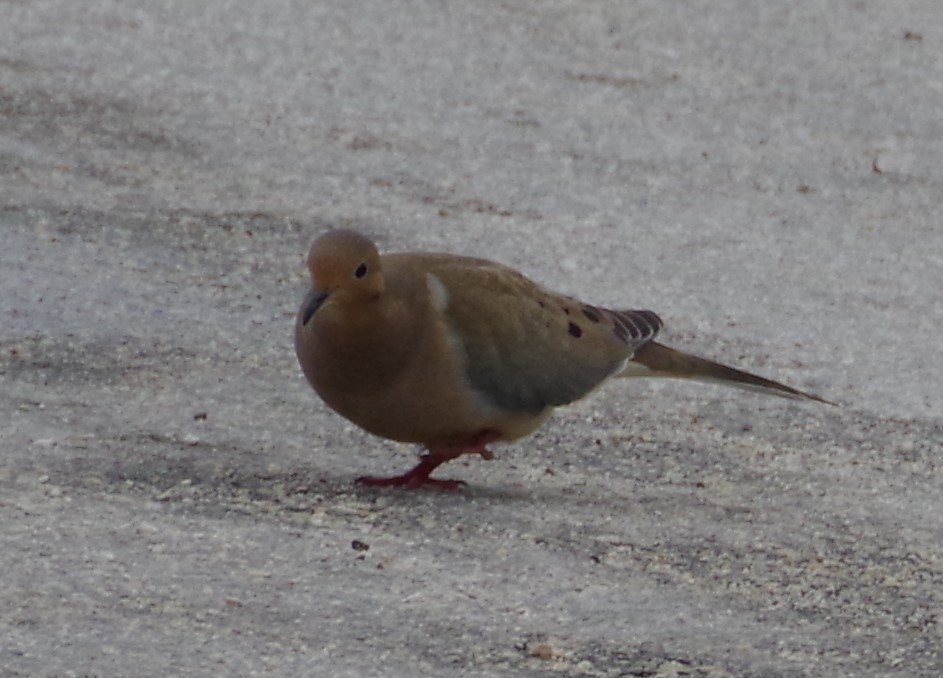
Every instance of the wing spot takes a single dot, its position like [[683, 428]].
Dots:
[[575, 330], [591, 313]]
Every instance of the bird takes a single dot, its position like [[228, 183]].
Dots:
[[456, 353]]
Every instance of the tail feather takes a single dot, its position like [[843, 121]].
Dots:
[[656, 360]]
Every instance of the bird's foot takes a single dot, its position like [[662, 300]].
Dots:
[[418, 476]]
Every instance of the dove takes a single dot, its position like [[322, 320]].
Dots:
[[456, 353]]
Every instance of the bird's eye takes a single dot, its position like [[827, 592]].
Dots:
[[361, 270]]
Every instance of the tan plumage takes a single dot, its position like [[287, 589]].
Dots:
[[456, 353]]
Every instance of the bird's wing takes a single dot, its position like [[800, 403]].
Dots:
[[526, 348]]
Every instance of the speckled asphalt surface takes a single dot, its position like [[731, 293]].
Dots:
[[174, 500]]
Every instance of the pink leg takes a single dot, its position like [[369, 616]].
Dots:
[[418, 476]]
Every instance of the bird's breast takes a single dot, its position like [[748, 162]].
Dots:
[[410, 388]]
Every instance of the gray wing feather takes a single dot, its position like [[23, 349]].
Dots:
[[544, 350]]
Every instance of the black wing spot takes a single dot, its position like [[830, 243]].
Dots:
[[575, 330], [591, 313]]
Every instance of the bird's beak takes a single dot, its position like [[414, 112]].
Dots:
[[312, 303]]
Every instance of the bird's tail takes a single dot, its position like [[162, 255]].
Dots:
[[655, 360]]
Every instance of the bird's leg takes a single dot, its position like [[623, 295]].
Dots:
[[418, 476]]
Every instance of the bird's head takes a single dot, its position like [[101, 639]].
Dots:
[[345, 270]]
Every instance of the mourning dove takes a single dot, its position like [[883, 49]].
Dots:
[[456, 353]]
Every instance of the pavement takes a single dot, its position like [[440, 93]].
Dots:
[[175, 500]]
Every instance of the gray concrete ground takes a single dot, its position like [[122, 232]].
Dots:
[[767, 176]]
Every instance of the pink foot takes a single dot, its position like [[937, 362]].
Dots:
[[418, 476]]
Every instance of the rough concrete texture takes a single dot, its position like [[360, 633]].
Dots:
[[174, 500]]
